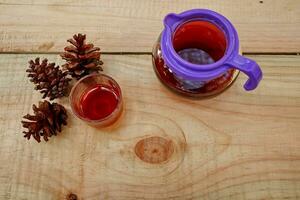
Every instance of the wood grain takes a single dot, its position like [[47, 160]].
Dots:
[[238, 145], [134, 25]]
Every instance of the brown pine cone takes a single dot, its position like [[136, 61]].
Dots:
[[82, 59], [50, 80], [47, 120]]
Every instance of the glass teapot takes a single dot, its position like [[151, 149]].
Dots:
[[197, 54]]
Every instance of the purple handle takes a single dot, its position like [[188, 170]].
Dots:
[[250, 68]]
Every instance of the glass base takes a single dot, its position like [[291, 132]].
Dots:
[[210, 88]]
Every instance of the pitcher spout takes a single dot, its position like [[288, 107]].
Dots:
[[171, 20]]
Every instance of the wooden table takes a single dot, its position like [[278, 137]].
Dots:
[[238, 145]]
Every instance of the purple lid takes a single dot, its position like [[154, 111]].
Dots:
[[231, 58]]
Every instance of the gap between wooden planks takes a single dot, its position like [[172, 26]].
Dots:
[[239, 145], [134, 25]]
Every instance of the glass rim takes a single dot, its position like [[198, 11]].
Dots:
[[97, 121]]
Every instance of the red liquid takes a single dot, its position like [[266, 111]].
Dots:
[[198, 42], [98, 102], [201, 35]]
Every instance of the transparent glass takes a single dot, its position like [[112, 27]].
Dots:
[[86, 102]]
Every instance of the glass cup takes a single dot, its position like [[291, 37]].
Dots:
[[97, 100]]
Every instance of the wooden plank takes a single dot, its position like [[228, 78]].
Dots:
[[134, 25], [238, 145]]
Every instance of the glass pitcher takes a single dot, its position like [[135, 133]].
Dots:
[[197, 54]]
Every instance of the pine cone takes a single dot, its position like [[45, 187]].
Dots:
[[50, 80], [47, 120], [82, 59]]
